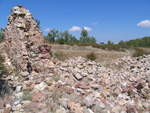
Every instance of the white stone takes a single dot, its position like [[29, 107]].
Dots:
[[24, 74], [18, 88], [40, 86], [16, 102], [78, 76]]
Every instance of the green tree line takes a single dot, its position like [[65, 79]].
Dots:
[[141, 42], [64, 37]]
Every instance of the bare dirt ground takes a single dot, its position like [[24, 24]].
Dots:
[[103, 56]]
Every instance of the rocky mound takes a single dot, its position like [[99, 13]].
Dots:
[[76, 85]]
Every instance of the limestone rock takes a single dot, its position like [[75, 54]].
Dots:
[[24, 74], [78, 76]]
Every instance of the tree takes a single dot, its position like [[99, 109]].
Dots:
[[92, 39], [73, 39], [110, 43], [67, 36], [52, 35], [84, 35], [60, 40], [141, 42], [121, 42]]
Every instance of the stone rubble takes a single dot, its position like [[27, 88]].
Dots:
[[76, 85], [102, 90]]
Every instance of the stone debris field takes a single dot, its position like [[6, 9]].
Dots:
[[38, 83]]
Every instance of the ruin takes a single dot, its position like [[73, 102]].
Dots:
[[24, 41]]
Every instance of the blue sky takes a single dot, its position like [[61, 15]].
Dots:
[[113, 20]]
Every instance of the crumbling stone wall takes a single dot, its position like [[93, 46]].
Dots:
[[24, 42]]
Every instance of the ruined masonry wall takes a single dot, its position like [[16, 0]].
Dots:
[[24, 41]]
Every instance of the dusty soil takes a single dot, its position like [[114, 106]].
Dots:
[[76, 51]]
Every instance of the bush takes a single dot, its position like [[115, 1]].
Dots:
[[139, 52], [91, 56], [60, 40]]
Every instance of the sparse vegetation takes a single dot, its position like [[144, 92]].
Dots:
[[59, 56], [91, 56], [3, 70]]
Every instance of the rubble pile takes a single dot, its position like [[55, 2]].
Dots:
[[80, 85], [76, 85]]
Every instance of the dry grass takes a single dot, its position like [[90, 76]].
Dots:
[[102, 55]]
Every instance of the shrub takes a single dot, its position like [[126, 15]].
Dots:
[[91, 56], [60, 40], [70, 43], [139, 52]]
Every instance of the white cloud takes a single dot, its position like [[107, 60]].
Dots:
[[87, 29], [47, 30], [74, 29], [95, 23], [144, 23]]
